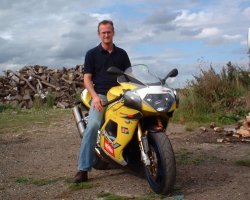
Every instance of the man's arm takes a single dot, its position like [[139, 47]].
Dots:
[[96, 100]]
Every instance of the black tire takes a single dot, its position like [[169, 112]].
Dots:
[[161, 173], [99, 164]]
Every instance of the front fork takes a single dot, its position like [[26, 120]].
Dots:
[[143, 144], [143, 140]]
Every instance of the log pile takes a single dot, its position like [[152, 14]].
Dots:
[[241, 133], [32, 83], [244, 130]]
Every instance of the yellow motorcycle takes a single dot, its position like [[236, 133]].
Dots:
[[133, 133]]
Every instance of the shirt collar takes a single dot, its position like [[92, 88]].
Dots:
[[103, 50]]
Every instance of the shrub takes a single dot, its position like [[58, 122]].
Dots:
[[4, 107], [216, 96], [50, 100]]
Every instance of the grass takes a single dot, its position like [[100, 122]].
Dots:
[[80, 186], [16, 119], [244, 162], [42, 182], [24, 179], [186, 157], [109, 196], [85, 185]]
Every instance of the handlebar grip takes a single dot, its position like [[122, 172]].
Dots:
[[112, 101]]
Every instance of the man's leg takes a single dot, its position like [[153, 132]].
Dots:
[[87, 149], [89, 140]]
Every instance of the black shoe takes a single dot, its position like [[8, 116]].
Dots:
[[81, 176]]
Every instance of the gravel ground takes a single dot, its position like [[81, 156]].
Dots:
[[37, 164]]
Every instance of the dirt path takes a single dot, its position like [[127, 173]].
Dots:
[[36, 164]]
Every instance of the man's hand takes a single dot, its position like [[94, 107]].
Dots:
[[97, 103], [96, 100]]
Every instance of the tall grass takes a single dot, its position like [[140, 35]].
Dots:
[[221, 97]]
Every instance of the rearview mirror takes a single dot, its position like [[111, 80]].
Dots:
[[172, 73]]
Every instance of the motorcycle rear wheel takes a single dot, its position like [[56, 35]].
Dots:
[[161, 173]]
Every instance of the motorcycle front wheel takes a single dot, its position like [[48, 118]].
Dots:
[[99, 164], [161, 173]]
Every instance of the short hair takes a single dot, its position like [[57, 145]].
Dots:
[[106, 22]]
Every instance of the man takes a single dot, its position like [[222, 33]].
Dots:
[[97, 81]]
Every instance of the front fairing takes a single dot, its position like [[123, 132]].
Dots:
[[145, 91]]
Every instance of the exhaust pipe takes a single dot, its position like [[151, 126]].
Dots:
[[77, 113]]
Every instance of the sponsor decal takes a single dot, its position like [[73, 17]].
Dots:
[[125, 130], [109, 148], [127, 121], [116, 145]]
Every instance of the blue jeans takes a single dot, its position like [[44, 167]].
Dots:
[[87, 149]]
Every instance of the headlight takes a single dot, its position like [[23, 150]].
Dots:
[[160, 102], [132, 100]]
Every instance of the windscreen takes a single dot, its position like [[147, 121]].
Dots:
[[140, 74]]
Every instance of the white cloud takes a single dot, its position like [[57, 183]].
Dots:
[[6, 35], [246, 12], [193, 19], [232, 37], [101, 17], [209, 32], [59, 32]]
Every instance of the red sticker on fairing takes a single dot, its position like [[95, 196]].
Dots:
[[109, 148]]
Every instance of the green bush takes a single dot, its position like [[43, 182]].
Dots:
[[4, 107], [223, 97], [50, 100]]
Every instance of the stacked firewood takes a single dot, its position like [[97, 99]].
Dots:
[[240, 133], [244, 130], [36, 83]]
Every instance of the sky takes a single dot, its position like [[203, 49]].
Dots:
[[163, 34]]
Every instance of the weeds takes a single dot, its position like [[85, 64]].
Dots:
[[42, 182], [109, 196], [244, 162], [8, 107], [24, 179], [220, 97], [50, 100], [38, 103], [186, 157], [79, 186]]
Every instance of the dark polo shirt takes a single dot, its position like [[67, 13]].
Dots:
[[98, 60]]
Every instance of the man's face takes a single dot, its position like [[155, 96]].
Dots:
[[106, 33]]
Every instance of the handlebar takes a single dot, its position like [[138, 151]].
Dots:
[[112, 101]]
